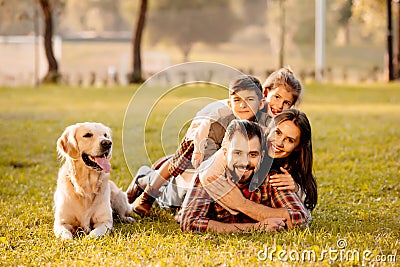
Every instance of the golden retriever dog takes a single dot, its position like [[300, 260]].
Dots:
[[85, 197]]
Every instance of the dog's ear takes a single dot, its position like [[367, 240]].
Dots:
[[66, 144]]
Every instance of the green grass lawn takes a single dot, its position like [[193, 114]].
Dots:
[[356, 132]]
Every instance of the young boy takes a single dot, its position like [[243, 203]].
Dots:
[[245, 102]]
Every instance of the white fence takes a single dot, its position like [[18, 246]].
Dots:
[[23, 59]]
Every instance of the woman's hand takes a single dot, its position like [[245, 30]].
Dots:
[[283, 181]]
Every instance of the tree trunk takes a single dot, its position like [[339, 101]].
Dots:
[[283, 33], [136, 76], [398, 40], [389, 36], [186, 48], [52, 75], [347, 34]]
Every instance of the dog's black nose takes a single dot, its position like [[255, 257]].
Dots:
[[106, 144]]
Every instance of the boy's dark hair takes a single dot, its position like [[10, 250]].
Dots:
[[246, 82], [247, 128]]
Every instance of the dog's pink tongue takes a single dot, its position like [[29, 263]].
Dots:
[[104, 163]]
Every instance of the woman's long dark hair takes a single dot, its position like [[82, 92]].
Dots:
[[300, 161]]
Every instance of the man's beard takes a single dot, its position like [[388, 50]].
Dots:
[[236, 179]]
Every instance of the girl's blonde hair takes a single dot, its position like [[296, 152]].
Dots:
[[285, 77]]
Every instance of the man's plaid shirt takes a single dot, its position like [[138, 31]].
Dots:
[[200, 208]]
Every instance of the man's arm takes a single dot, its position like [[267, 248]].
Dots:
[[267, 225], [195, 209], [194, 216], [226, 193], [261, 212], [285, 203]]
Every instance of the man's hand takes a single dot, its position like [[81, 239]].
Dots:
[[283, 181], [271, 224]]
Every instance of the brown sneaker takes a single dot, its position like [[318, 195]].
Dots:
[[142, 204], [134, 189]]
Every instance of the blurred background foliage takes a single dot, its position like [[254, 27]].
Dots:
[[354, 28], [364, 19]]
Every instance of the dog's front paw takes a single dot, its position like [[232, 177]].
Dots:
[[64, 235], [99, 231]]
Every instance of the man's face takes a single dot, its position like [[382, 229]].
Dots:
[[245, 104], [283, 140], [278, 99], [243, 157]]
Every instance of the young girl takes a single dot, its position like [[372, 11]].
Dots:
[[282, 90]]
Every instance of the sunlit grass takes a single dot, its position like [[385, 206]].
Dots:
[[356, 160]]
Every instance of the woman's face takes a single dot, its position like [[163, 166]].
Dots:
[[278, 100], [283, 140]]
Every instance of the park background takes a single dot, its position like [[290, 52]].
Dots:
[[93, 38], [354, 114]]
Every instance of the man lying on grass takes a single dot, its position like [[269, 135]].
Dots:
[[264, 208]]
